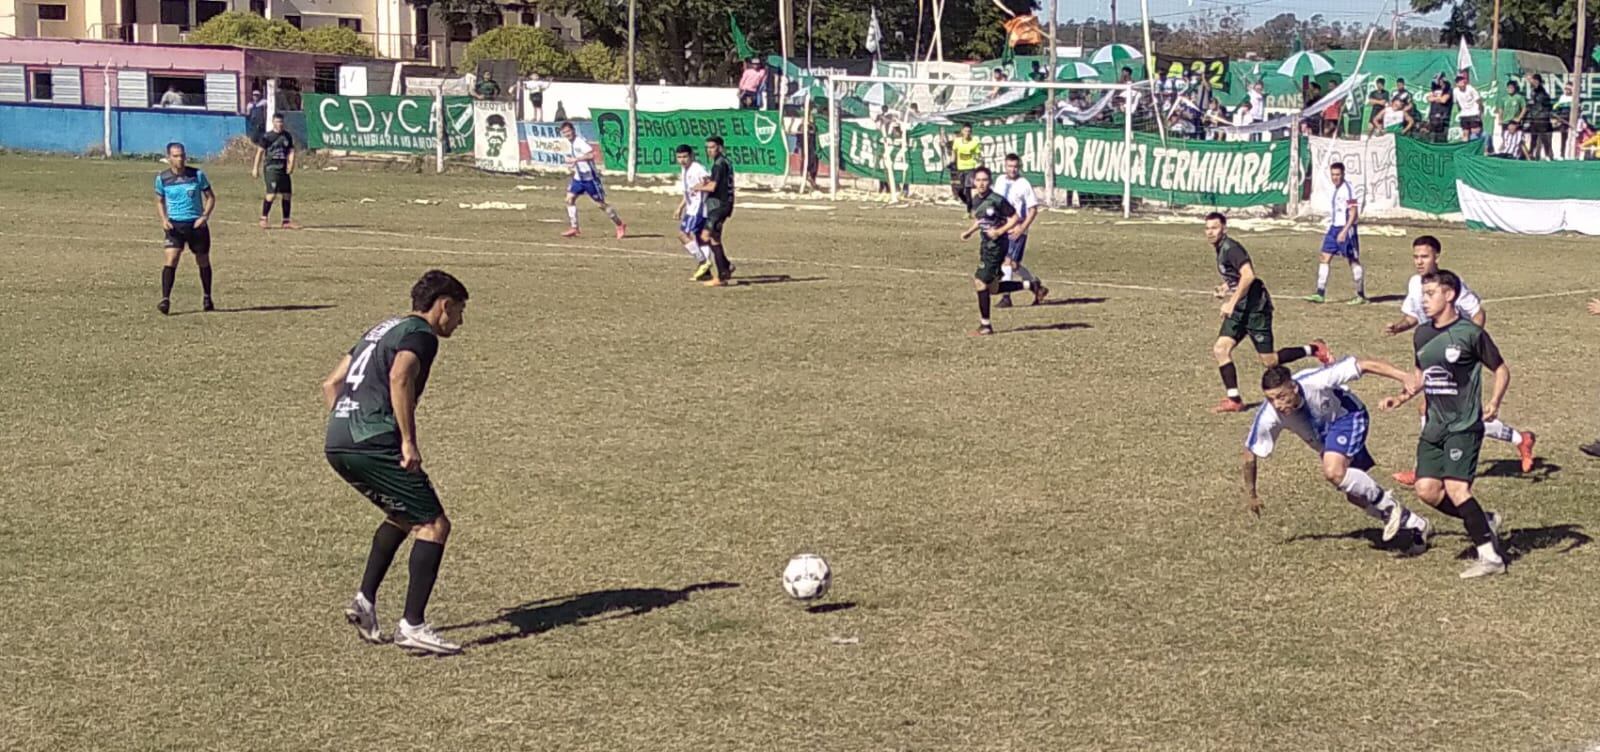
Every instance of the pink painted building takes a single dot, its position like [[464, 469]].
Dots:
[[179, 77]]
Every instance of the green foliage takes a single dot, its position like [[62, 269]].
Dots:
[[535, 50], [1535, 25], [598, 62], [336, 40], [242, 29]]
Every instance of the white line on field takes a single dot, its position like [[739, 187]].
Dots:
[[1543, 295]]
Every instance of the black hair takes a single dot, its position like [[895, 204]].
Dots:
[[277, 116], [714, 140], [178, 144], [433, 285], [1219, 216], [1337, 166], [1429, 241], [983, 170], [1399, 80], [565, 124], [1275, 377], [684, 149], [1012, 157], [1444, 277]]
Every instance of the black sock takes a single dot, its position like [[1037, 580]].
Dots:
[[983, 306], [1230, 379], [1449, 509], [1013, 286], [205, 280], [286, 208], [1477, 523], [1291, 354], [266, 208], [425, 558], [720, 258], [385, 542], [168, 275]]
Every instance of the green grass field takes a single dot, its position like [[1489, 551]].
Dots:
[[1039, 540]]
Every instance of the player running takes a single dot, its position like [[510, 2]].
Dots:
[[1342, 238], [691, 211], [1425, 252], [371, 443], [184, 200], [1246, 309], [1318, 406], [585, 181], [1449, 351], [996, 217], [276, 154], [1016, 189], [718, 190]]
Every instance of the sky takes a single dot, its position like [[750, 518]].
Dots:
[[1176, 11]]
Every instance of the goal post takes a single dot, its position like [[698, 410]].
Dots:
[[910, 91]]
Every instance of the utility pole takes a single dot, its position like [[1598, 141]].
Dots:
[[1576, 79], [1050, 116], [1113, 21], [633, 94]]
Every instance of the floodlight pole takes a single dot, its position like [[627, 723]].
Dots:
[[1130, 106], [835, 140], [633, 95], [1050, 117], [440, 130], [1576, 79]]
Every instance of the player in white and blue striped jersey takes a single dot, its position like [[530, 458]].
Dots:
[[1017, 191], [1318, 406], [691, 211]]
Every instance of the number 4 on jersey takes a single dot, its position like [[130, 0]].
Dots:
[[358, 367]]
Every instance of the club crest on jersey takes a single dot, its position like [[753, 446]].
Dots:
[[1455, 455], [1259, 337], [1452, 354], [1343, 440]]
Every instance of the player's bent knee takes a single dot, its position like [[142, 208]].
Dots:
[[436, 530], [1267, 359]]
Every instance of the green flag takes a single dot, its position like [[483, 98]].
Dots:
[[1596, 55], [738, 38]]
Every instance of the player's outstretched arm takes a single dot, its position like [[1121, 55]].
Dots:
[[1594, 306], [1383, 368], [330, 385], [1403, 324], [1252, 502], [403, 395]]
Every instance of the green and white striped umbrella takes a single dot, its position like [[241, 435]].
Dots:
[[879, 94], [1302, 64], [1076, 71], [1115, 54]]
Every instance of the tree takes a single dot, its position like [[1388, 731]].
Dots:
[[477, 14], [1535, 25], [241, 29], [535, 50], [336, 40], [600, 63]]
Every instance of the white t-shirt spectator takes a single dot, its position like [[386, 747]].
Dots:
[[1470, 102], [1258, 106]]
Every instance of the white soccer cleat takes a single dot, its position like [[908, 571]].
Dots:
[[423, 638], [1483, 568], [1397, 517], [1422, 541], [364, 617]]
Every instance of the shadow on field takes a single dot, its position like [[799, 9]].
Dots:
[[1540, 473], [535, 617], [1061, 327], [632, 236], [265, 309], [773, 279], [828, 608], [1518, 541], [1073, 301], [1386, 298]]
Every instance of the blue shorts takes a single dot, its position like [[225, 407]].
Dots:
[[691, 224], [1350, 248], [1347, 435], [1017, 247], [590, 188]]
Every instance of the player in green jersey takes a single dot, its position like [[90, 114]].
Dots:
[[372, 443], [995, 216], [1449, 352], [275, 155]]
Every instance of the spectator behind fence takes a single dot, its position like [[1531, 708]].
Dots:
[[1536, 120], [1440, 104], [173, 98], [1512, 144], [487, 87], [255, 116], [1216, 118], [1397, 118], [1471, 104], [1377, 102], [755, 75]]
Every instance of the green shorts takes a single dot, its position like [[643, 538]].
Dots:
[[991, 256], [1455, 456], [277, 181], [1255, 322], [379, 477]]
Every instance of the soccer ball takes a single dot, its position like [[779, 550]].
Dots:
[[807, 577]]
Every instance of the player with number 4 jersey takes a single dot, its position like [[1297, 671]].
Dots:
[[372, 444]]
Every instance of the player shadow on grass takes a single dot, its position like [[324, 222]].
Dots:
[[772, 279], [1058, 327], [1519, 542], [1073, 301], [1512, 468], [582, 609], [267, 309], [1386, 298]]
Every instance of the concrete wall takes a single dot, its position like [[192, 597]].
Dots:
[[66, 52], [576, 98], [78, 129]]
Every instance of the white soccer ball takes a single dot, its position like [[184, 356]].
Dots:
[[807, 577]]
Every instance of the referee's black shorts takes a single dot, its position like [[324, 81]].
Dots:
[[185, 234]]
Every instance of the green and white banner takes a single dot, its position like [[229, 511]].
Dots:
[[1428, 174], [1090, 160], [751, 137], [1531, 198], [382, 123]]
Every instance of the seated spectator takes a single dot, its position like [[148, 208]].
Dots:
[[1512, 144]]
